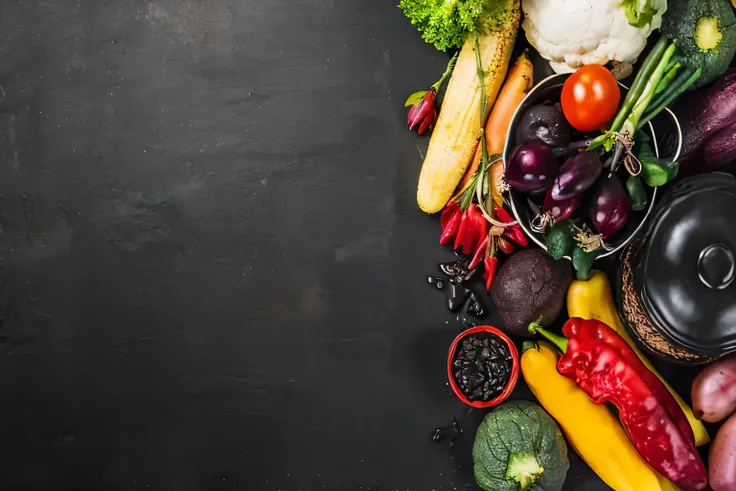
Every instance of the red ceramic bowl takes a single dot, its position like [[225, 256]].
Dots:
[[513, 376]]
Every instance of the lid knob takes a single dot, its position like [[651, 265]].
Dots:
[[716, 266]]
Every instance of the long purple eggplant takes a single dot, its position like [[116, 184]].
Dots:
[[704, 112], [719, 149]]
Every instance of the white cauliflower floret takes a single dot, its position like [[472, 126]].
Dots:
[[573, 33]]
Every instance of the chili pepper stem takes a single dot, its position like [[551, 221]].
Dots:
[[448, 72], [556, 339]]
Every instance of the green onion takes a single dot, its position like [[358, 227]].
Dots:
[[679, 89], [637, 87]]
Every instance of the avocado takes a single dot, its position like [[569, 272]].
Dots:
[[530, 286], [705, 33]]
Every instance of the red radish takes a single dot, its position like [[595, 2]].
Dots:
[[610, 207]]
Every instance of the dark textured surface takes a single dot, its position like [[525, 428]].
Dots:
[[213, 261]]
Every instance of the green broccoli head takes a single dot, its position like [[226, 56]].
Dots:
[[705, 33], [445, 23]]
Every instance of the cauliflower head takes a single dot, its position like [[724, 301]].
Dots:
[[573, 33]]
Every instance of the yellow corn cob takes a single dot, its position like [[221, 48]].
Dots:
[[458, 128]]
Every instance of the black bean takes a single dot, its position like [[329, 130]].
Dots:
[[471, 354], [485, 353], [487, 386], [467, 371], [440, 284], [487, 395], [486, 342], [457, 363], [480, 365], [438, 435], [478, 393], [467, 343]]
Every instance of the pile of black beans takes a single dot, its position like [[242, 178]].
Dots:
[[482, 366]]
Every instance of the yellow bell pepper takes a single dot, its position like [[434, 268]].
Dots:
[[591, 429], [593, 299]]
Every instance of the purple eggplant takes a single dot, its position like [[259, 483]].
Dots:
[[544, 122], [576, 176], [531, 166], [704, 112], [610, 207], [559, 210], [720, 148]]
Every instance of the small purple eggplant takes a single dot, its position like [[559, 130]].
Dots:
[[576, 176], [559, 210], [610, 207], [531, 166]]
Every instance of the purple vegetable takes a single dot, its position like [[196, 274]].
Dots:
[[559, 210], [704, 112], [544, 122], [531, 166], [719, 149], [576, 176], [610, 207]]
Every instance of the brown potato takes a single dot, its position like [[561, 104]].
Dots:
[[714, 391], [722, 461]]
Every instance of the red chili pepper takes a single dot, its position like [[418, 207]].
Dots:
[[513, 232], [605, 368], [461, 231], [477, 229], [423, 113], [450, 221], [490, 264], [505, 246], [480, 253]]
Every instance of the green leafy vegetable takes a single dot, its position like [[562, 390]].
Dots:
[[705, 33], [446, 23], [639, 13], [518, 446]]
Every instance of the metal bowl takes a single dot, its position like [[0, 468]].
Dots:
[[666, 142]]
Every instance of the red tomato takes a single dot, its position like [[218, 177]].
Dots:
[[590, 98]]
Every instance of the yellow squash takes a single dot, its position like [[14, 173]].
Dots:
[[593, 299], [591, 429], [458, 128]]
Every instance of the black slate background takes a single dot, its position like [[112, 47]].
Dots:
[[212, 259]]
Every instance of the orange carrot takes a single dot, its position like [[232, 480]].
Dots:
[[518, 83]]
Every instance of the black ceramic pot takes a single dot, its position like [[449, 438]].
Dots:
[[678, 294]]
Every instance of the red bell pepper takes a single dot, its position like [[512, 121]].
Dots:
[[604, 366]]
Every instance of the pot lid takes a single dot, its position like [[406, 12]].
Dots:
[[687, 269]]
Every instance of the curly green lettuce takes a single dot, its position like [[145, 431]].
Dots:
[[445, 23]]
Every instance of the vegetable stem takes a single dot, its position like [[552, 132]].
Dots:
[[448, 72], [642, 102], [637, 87], [671, 96], [665, 82], [556, 339]]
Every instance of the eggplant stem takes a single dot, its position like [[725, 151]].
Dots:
[[618, 152]]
